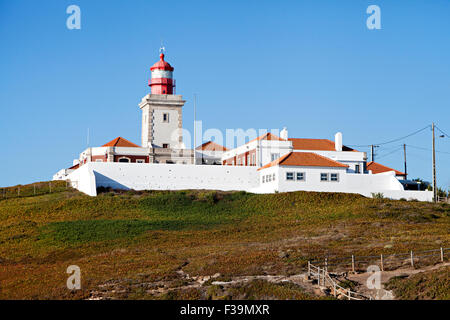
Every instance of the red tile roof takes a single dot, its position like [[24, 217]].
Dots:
[[315, 144], [211, 146], [304, 159], [120, 142], [74, 167], [379, 168], [268, 136]]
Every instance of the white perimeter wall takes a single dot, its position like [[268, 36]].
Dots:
[[364, 184], [83, 179], [154, 176]]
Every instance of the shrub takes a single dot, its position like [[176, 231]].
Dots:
[[378, 195]]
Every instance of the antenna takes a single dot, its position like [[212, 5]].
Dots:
[[162, 49], [195, 129]]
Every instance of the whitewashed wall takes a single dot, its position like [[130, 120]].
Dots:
[[166, 132], [364, 184], [154, 176], [84, 180]]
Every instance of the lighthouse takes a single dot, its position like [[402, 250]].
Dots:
[[161, 81], [162, 120]]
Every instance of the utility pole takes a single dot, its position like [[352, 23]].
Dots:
[[372, 153], [434, 167], [404, 155], [195, 128]]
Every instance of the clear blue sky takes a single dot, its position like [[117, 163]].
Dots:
[[312, 66]]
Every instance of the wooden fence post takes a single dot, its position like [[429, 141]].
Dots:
[[381, 262], [412, 259], [353, 263], [324, 276], [349, 295], [318, 276], [309, 269], [326, 264], [442, 254], [334, 289]]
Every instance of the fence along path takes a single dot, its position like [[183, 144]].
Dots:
[[382, 260], [34, 189], [324, 279], [320, 270]]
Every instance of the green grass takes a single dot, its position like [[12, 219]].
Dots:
[[148, 235], [430, 285], [75, 232], [264, 290]]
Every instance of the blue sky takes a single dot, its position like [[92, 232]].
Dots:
[[312, 66]]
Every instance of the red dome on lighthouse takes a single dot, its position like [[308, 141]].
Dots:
[[161, 64], [162, 81]]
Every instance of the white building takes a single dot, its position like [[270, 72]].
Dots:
[[266, 164]]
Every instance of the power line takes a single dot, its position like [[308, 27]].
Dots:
[[448, 136], [389, 153], [385, 150], [426, 149], [394, 140]]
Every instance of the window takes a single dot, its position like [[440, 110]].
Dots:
[[140, 161], [289, 176], [124, 160], [357, 168], [273, 177], [300, 176], [165, 145], [248, 160], [334, 177], [253, 160], [263, 179], [274, 156], [99, 160], [165, 117], [324, 177]]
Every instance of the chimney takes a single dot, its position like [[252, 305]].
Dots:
[[338, 141], [284, 134]]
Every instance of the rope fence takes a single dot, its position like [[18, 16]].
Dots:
[[389, 261], [35, 189], [324, 279]]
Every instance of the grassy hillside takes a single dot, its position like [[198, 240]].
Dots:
[[137, 238], [428, 285]]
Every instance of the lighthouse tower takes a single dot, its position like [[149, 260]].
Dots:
[[162, 80], [161, 110]]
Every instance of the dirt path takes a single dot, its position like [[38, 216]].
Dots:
[[162, 287], [381, 293]]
